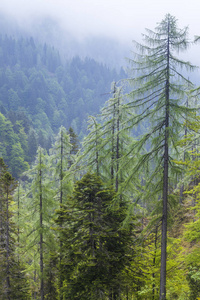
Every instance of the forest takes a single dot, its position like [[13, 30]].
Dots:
[[99, 173]]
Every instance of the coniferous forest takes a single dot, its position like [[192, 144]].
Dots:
[[99, 172]]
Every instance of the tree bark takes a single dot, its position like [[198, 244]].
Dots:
[[7, 248], [41, 234], [165, 186], [117, 147], [154, 261], [61, 201]]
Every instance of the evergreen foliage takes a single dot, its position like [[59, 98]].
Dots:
[[39, 94], [37, 235], [95, 247], [158, 93], [90, 220], [13, 146], [13, 282], [34, 81]]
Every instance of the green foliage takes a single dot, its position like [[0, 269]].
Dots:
[[41, 93], [13, 146], [193, 278], [191, 234], [157, 97], [107, 144], [96, 248], [154, 71], [61, 160], [37, 238], [34, 80], [13, 282]]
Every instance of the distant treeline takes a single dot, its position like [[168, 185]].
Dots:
[[38, 94]]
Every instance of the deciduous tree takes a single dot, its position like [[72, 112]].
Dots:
[[157, 97]]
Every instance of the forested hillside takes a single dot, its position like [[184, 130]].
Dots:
[[115, 215], [47, 29], [39, 93]]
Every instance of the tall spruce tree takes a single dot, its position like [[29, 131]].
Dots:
[[157, 98]]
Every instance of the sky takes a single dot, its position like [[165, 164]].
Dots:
[[124, 19], [121, 19]]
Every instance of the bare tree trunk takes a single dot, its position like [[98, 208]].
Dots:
[[154, 262], [182, 187], [1, 224], [7, 249], [113, 154], [97, 154], [18, 215], [127, 293], [165, 187], [35, 294], [117, 148], [41, 235], [61, 201]]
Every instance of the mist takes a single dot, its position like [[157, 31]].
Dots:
[[103, 30]]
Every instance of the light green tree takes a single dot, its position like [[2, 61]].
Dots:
[[62, 179], [37, 236]]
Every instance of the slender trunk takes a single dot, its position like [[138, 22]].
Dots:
[[182, 187], [91, 229], [110, 295], [61, 201], [164, 230], [1, 222], [61, 169], [127, 293], [113, 155], [181, 193], [34, 279], [97, 153], [113, 140], [117, 148], [121, 172], [41, 234], [18, 208], [7, 248], [154, 262], [165, 187]]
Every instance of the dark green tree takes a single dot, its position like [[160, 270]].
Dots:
[[13, 284], [96, 247], [73, 141], [11, 144]]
